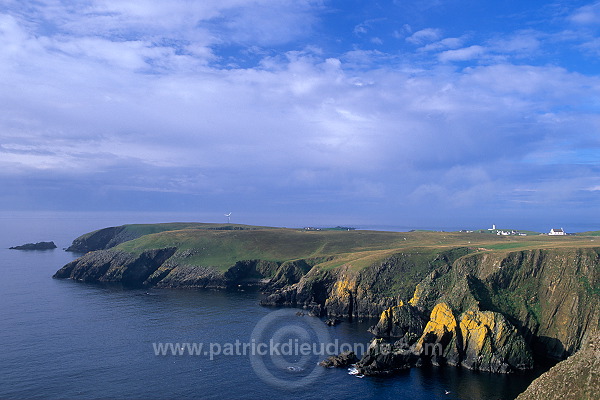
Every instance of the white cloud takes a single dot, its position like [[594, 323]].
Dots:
[[524, 42], [360, 29], [447, 43], [424, 36], [587, 15], [464, 54], [592, 46], [127, 91], [365, 27], [200, 23]]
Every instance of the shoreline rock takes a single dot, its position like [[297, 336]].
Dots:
[[342, 360]]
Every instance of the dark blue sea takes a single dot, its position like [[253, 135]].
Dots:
[[61, 339]]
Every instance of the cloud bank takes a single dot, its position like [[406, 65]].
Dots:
[[260, 106]]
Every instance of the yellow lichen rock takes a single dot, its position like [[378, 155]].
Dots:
[[475, 327], [387, 315], [442, 317], [342, 296], [441, 337], [492, 343], [416, 295], [343, 287], [441, 323]]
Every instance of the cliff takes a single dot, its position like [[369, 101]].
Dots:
[[160, 268], [488, 311], [339, 289], [551, 295], [576, 378], [489, 303], [115, 266]]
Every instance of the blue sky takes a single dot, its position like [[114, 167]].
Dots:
[[430, 113]]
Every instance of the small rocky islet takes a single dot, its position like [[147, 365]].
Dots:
[[35, 246], [460, 299]]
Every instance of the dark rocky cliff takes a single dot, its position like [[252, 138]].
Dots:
[[348, 292], [115, 266], [164, 268], [504, 306]]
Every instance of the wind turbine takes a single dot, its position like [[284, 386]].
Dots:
[[228, 218]]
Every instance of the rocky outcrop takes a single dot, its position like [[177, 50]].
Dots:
[[35, 246], [290, 272], [342, 360], [384, 358], [576, 378], [491, 343], [478, 340], [399, 321], [441, 341], [242, 273], [166, 268], [499, 307]]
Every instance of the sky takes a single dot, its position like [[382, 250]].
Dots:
[[416, 113]]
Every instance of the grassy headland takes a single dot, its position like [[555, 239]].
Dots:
[[220, 246]]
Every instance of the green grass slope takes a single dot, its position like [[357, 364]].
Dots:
[[220, 246]]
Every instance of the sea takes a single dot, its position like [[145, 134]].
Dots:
[[61, 339]]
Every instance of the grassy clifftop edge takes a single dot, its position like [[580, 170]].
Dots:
[[220, 245]]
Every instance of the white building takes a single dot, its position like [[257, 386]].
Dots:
[[556, 232]]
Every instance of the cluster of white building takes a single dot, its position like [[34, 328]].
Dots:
[[510, 233], [500, 232], [553, 232]]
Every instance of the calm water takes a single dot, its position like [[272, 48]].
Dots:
[[67, 340]]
